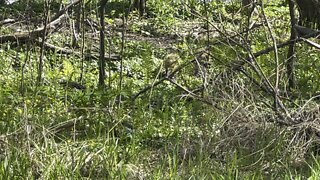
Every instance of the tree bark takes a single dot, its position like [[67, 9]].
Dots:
[[309, 13], [102, 62], [140, 5], [290, 55]]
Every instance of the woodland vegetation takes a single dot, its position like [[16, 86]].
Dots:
[[170, 89]]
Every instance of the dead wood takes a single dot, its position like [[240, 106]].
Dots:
[[238, 64], [169, 76], [22, 37], [7, 21], [66, 51]]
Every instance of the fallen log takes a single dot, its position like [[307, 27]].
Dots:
[[22, 37]]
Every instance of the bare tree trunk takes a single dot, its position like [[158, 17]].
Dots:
[[309, 13], [290, 55], [121, 61], [76, 24], [207, 58], [102, 62], [78, 16], [46, 20], [249, 7], [82, 31], [140, 5]]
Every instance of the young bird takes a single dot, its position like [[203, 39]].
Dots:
[[170, 61]]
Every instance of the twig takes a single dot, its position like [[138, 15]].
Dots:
[[193, 95], [154, 84], [277, 101]]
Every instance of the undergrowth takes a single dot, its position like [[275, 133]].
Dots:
[[66, 129]]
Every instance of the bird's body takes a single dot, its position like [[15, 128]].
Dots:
[[170, 61], [168, 65]]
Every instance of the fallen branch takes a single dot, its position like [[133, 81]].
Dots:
[[193, 95], [64, 125], [25, 36], [7, 21], [311, 43], [169, 76], [66, 51], [271, 48]]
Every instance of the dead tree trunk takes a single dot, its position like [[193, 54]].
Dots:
[[102, 62], [248, 9], [140, 5], [290, 56], [309, 13]]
